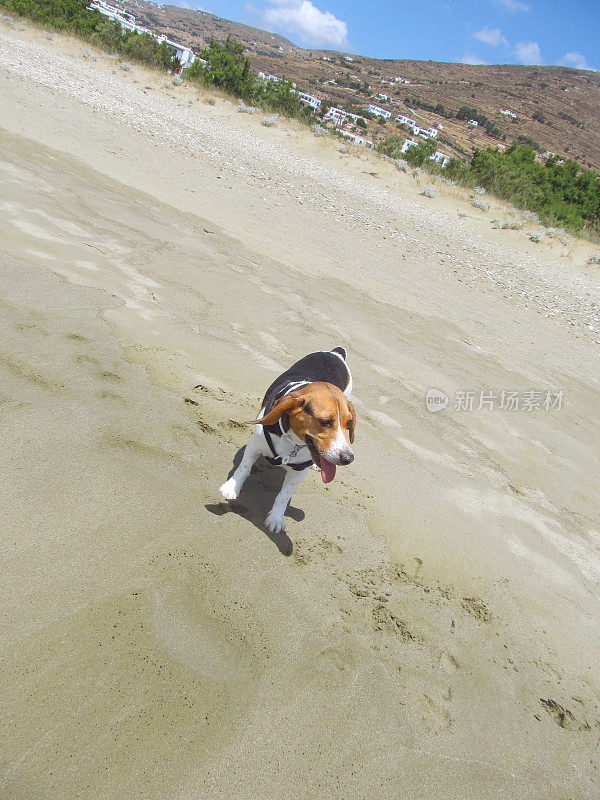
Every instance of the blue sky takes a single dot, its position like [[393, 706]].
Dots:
[[472, 31]]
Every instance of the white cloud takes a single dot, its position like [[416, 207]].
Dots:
[[528, 53], [576, 60], [305, 20], [471, 58], [493, 36], [513, 5]]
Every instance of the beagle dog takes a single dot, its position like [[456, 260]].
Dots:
[[306, 418]]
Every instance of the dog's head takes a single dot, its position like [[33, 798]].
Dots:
[[323, 418]]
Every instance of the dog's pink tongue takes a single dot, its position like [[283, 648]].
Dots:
[[327, 470]]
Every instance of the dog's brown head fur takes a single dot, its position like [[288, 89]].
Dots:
[[322, 417]]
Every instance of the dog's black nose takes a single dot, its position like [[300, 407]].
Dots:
[[347, 458]]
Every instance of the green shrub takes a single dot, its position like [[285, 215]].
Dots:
[[529, 142], [229, 69], [557, 192], [573, 120], [62, 15], [415, 156], [467, 112]]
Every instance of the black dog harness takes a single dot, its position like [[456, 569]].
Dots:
[[283, 461]]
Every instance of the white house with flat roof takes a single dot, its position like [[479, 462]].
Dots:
[[339, 116], [309, 100], [408, 143], [473, 123], [508, 113], [336, 115], [357, 139], [379, 112], [406, 121], [124, 18], [441, 159]]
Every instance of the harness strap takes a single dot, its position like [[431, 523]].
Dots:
[[277, 463], [277, 460]]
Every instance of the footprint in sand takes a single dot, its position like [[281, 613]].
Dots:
[[29, 327], [386, 620], [476, 608], [564, 717], [193, 406], [76, 337], [20, 369], [107, 375]]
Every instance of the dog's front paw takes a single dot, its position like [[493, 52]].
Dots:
[[229, 490], [275, 523]]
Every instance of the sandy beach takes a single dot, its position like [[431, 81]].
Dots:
[[428, 626]]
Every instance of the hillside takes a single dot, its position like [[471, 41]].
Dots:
[[565, 102]]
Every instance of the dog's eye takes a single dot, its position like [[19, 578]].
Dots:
[[326, 423]]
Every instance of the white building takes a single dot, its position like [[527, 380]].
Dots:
[[408, 143], [336, 115], [425, 133], [126, 20], [272, 78], [339, 116], [309, 100], [357, 139], [382, 96], [184, 55], [355, 117], [473, 123], [441, 159], [508, 113], [379, 112], [406, 121], [401, 80]]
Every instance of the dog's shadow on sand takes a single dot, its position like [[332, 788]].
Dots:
[[256, 499]]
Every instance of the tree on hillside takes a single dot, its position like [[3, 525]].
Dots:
[[229, 68]]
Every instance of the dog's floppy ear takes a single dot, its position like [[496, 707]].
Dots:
[[285, 405], [352, 421]]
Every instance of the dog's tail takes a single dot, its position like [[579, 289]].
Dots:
[[341, 351]]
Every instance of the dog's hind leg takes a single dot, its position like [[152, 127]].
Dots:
[[274, 521], [231, 488]]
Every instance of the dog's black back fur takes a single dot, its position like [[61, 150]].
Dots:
[[321, 366]]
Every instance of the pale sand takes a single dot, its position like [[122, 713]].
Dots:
[[160, 265]]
